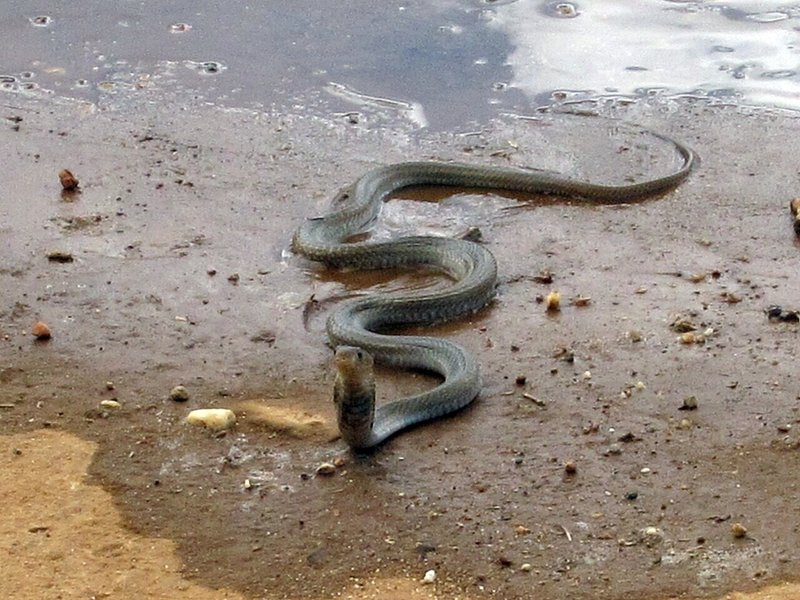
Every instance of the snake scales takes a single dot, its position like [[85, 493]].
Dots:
[[355, 329]]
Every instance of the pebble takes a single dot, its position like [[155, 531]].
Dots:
[[553, 301], [689, 403], [525, 567], [429, 577], [738, 530], [652, 536], [41, 331], [570, 467], [110, 404], [179, 394], [68, 181], [213, 418]]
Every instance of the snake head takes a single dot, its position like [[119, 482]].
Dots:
[[353, 364]]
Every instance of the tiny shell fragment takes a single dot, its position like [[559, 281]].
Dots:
[[213, 418], [41, 331], [326, 468], [68, 181]]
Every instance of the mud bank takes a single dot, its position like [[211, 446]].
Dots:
[[180, 274]]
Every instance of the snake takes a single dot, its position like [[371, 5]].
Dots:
[[361, 331]]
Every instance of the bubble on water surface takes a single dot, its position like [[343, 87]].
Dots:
[[561, 10], [782, 74], [768, 17], [41, 21], [207, 67]]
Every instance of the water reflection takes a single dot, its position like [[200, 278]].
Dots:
[[736, 50]]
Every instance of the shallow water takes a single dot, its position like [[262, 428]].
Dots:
[[439, 64]]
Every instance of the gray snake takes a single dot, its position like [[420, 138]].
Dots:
[[354, 329]]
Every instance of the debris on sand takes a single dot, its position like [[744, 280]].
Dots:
[[60, 256], [778, 313]]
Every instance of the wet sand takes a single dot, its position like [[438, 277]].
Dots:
[[181, 274]]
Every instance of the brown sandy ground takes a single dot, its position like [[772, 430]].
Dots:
[[62, 537], [180, 274]]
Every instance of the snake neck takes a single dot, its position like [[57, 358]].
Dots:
[[354, 397]]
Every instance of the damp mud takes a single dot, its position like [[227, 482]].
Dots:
[[605, 458]]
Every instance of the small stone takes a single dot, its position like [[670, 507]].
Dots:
[[689, 403], [521, 530], [526, 567], [652, 536], [633, 495], [645, 470], [326, 469], [613, 450], [553, 302], [110, 404], [429, 577], [570, 467], [682, 324], [212, 418], [68, 181], [634, 336], [109, 385], [520, 380], [179, 394], [41, 331], [738, 530]]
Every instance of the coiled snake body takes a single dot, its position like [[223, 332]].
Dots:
[[355, 329]]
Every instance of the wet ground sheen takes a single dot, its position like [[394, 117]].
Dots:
[[174, 203]]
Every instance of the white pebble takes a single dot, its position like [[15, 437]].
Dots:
[[430, 576], [525, 567], [110, 404], [213, 418]]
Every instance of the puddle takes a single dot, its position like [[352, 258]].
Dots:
[[439, 65]]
